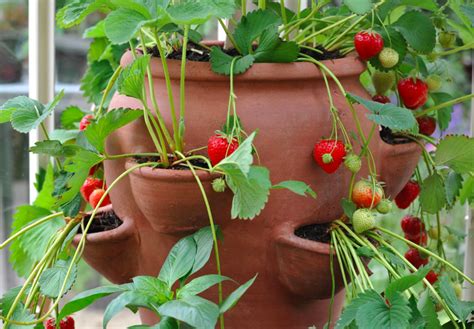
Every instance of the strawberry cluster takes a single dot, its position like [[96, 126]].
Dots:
[[93, 190], [66, 323]]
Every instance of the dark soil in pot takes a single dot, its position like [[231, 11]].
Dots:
[[389, 137], [181, 166], [315, 232], [102, 222]]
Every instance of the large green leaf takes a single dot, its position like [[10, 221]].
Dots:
[[452, 185], [54, 148], [405, 282], [128, 298], [272, 49], [131, 80], [99, 130], [234, 297], [152, 287], [456, 152], [200, 284], [52, 279], [22, 314], [462, 309], [221, 63], [95, 80], [423, 37], [77, 10], [428, 310], [444, 114], [45, 198], [179, 262], [359, 7], [122, 24], [204, 242], [388, 115], [200, 11], [433, 195], [193, 310]]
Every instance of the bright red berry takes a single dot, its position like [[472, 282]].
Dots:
[[381, 99], [218, 148], [66, 323], [96, 196], [407, 195], [329, 154], [366, 195], [413, 93], [426, 125], [432, 277], [412, 225], [89, 186], [368, 44], [85, 121], [420, 239], [414, 257]]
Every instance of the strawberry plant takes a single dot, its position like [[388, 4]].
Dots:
[[401, 45]]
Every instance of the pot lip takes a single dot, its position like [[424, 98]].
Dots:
[[285, 236], [170, 175], [121, 233], [347, 66], [400, 149]]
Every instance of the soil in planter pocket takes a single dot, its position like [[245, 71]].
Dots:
[[181, 166], [315, 232], [389, 137], [104, 221]]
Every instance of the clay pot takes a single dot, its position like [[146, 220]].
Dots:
[[288, 103]]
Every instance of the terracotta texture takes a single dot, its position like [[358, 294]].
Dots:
[[288, 103]]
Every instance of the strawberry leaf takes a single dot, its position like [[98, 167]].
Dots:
[[359, 7], [221, 62], [198, 12], [54, 148], [456, 152], [428, 310], [297, 187], [131, 80], [433, 195], [242, 158], [53, 278], [423, 37], [95, 80], [462, 309], [122, 24], [77, 10], [405, 282], [453, 185]]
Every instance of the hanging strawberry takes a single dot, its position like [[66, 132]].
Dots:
[[329, 154], [368, 44], [413, 92]]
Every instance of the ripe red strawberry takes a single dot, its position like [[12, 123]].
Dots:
[[329, 154], [368, 44], [89, 186], [432, 277], [218, 148], [420, 239], [426, 125], [407, 195], [414, 257], [381, 99], [85, 121], [96, 196], [412, 225], [66, 323], [413, 93], [365, 196]]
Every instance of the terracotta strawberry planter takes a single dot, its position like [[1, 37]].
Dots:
[[288, 104]]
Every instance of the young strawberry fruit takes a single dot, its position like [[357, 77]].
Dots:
[[434, 82], [89, 186], [368, 44], [426, 125], [447, 39], [365, 196], [414, 93], [66, 323], [407, 195], [329, 154], [218, 185], [218, 148], [420, 239], [457, 289], [414, 257], [85, 121], [381, 99], [412, 225], [384, 206], [383, 81], [353, 163], [96, 196], [432, 277], [388, 57], [363, 220]]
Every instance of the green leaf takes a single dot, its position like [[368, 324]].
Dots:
[[71, 116], [77, 10], [456, 152], [468, 10], [198, 12], [221, 62], [234, 297], [453, 185], [387, 115], [179, 262], [443, 115], [467, 191], [63, 135], [99, 130], [423, 38], [95, 80], [204, 242], [250, 192], [200, 284], [54, 148], [297, 187], [350, 311], [86, 298], [130, 81], [155, 289], [462, 309], [72, 207], [349, 207], [52, 279], [365, 251], [193, 310], [7, 300], [122, 24], [359, 7], [22, 314], [272, 49], [242, 158], [128, 298], [433, 195], [45, 198], [428, 310], [406, 282], [377, 314], [417, 321]]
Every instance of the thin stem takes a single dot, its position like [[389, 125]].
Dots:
[[108, 88], [455, 50], [327, 28], [445, 104], [130, 155], [229, 35], [182, 98]]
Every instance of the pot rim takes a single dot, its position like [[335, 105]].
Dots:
[[170, 175], [286, 236], [201, 71]]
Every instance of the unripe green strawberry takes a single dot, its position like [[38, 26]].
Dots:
[[353, 163], [363, 220], [218, 185], [388, 57], [447, 39], [434, 234], [457, 289], [384, 206], [383, 81], [434, 82]]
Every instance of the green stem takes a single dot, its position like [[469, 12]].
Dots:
[[327, 28], [283, 12], [334, 240], [182, 98], [333, 281], [455, 50], [343, 34], [229, 35], [130, 155], [108, 88], [445, 104]]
